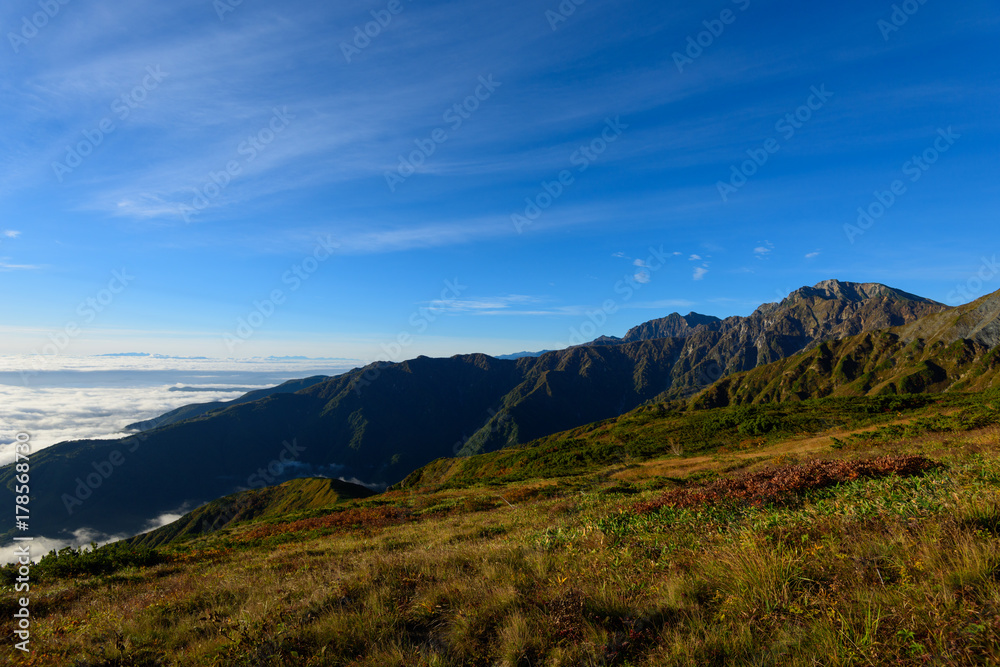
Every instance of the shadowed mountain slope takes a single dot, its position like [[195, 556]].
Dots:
[[198, 409]]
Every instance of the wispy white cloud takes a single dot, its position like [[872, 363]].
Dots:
[[658, 305], [520, 306], [345, 132], [164, 519], [699, 273], [482, 305], [422, 236], [812, 255], [359, 237], [643, 276], [557, 311], [6, 266], [10, 233], [763, 251]]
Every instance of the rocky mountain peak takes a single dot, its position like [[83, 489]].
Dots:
[[674, 325], [852, 292]]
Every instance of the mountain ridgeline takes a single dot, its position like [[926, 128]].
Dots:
[[954, 350], [272, 502], [198, 409], [808, 316], [378, 424]]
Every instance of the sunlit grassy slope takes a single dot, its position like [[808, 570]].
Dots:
[[665, 537]]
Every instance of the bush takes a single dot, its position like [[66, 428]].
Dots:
[[759, 425], [93, 561]]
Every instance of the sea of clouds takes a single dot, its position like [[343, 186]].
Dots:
[[97, 397], [74, 398]]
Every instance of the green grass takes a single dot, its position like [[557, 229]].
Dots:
[[530, 569], [659, 430]]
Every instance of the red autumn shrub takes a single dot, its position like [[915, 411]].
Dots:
[[786, 483], [362, 517]]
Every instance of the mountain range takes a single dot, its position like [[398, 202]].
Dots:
[[952, 350], [377, 424]]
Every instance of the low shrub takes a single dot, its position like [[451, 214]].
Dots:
[[786, 484]]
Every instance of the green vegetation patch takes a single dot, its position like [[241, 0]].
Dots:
[[83, 562]]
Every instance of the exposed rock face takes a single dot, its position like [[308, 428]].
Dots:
[[831, 309], [696, 351], [952, 350], [671, 326], [978, 321]]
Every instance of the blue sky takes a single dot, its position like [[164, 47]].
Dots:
[[115, 120]]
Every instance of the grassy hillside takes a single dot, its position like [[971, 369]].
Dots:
[[953, 350], [841, 531], [267, 503], [663, 429], [882, 363]]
